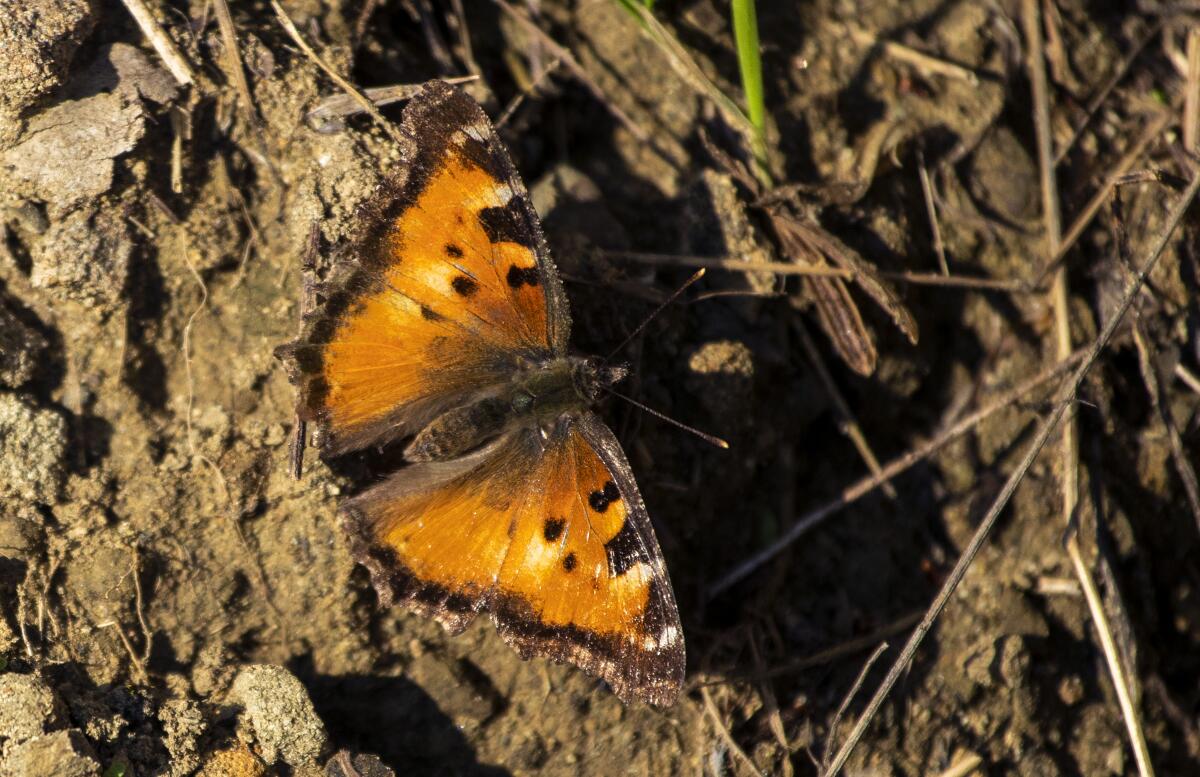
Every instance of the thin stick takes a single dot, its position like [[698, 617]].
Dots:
[[516, 102], [935, 228], [965, 767], [638, 329], [1048, 427], [786, 268], [1191, 100], [576, 69], [1069, 452], [172, 57], [723, 732], [708, 438], [850, 425], [1188, 377], [358, 96], [1084, 219], [847, 699], [1183, 464], [924, 63], [866, 485]]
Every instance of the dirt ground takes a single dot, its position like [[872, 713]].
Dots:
[[173, 602]]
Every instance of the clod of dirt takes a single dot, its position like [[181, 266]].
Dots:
[[233, 762], [38, 38], [452, 688], [722, 372], [125, 69], [30, 708], [33, 444], [62, 754], [65, 156], [345, 765], [84, 257], [20, 347], [183, 725], [280, 714], [716, 224]]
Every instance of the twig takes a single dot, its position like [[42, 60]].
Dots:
[[866, 485], [723, 732], [963, 768], [1047, 429], [1188, 377], [849, 423], [327, 116], [1069, 451], [1183, 464], [1191, 99], [787, 268], [935, 228], [1084, 219], [924, 63], [233, 60], [516, 102], [846, 700], [576, 69], [172, 57], [358, 96]]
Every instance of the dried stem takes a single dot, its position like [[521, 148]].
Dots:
[[1047, 429], [172, 57]]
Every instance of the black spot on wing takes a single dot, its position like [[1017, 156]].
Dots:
[[464, 286], [569, 562], [508, 224], [430, 314], [602, 498], [624, 550], [518, 276], [454, 251], [553, 529]]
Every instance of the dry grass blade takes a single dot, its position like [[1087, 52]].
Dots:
[[172, 57], [290, 27], [864, 486], [723, 731], [1069, 454], [1191, 99], [1048, 427], [1183, 464], [846, 701], [925, 64]]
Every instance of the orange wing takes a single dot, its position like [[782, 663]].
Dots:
[[547, 534], [449, 288]]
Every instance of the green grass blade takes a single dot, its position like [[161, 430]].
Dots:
[[745, 34]]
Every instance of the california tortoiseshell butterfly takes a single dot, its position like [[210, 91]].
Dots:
[[445, 323]]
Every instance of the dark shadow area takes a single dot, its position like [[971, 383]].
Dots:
[[393, 718]]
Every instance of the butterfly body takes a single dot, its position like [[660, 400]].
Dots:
[[540, 394], [445, 326]]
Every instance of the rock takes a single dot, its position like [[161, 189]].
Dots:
[[124, 68], [460, 690], [20, 348], [65, 156], [38, 38], [30, 707], [716, 224], [281, 715], [33, 444], [62, 754], [84, 257]]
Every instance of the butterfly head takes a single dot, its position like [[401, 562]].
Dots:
[[592, 376]]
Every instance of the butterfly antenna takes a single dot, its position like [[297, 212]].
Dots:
[[708, 438], [699, 274]]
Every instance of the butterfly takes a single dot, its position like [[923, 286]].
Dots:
[[444, 327]]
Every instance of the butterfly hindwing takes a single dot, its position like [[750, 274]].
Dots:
[[448, 286], [548, 535]]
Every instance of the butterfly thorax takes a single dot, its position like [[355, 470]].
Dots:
[[538, 395]]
